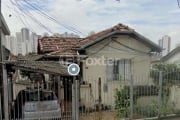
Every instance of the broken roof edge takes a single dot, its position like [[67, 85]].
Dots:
[[125, 32]]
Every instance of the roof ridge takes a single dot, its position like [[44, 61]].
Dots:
[[60, 37], [119, 26]]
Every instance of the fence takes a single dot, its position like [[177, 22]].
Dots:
[[39, 99], [151, 95]]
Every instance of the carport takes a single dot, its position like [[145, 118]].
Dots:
[[56, 73]]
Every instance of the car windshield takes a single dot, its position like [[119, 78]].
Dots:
[[39, 96]]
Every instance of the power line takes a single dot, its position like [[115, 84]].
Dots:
[[30, 16], [52, 18], [178, 3], [39, 23], [19, 16]]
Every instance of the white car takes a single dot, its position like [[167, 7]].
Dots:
[[39, 104]]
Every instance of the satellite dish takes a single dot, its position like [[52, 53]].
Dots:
[[73, 69]]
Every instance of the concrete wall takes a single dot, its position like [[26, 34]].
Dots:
[[109, 49], [174, 59], [147, 100], [174, 98], [86, 95], [17, 87]]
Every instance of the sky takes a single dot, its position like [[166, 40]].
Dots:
[[151, 18]]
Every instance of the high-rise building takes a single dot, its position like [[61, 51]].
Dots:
[[19, 42], [11, 44], [34, 38], [24, 49], [165, 43], [25, 34], [23, 43]]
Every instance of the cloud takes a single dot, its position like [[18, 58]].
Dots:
[[151, 18]]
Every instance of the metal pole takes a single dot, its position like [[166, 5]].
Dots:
[[160, 94], [59, 89], [6, 101], [3, 74], [131, 98], [0, 109], [100, 98], [73, 100], [77, 99]]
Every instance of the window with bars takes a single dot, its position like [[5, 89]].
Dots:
[[119, 69]]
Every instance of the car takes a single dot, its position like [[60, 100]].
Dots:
[[36, 104]]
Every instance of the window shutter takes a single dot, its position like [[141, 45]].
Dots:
[[109, 70], [121, 69], [127, 69]]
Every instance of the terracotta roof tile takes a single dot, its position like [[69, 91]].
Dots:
[[64, 52], [68, 46], [93, 37], [51, 44]]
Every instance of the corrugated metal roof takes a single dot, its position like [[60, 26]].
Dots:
[[40, 66], [32, 57]]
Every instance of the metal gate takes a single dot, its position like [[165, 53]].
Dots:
[[43, 98]]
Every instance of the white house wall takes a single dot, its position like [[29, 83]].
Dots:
[[140, 65], [174, 59]]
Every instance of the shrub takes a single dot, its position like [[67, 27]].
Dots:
[[122, 102]]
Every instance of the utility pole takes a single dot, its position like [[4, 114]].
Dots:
[[3, 75]]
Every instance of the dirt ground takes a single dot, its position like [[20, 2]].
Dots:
[[99, 116]]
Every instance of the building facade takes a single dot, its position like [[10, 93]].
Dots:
[[25, 34], [165, 43], [115, 55], [23, 42], [11, 42]]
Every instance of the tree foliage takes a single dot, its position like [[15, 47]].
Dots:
[[170, 73]]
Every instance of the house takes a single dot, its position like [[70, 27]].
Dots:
[[173, 56], [4, 31], [115, 55]]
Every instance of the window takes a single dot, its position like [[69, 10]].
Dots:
[[119, 69]]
